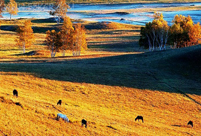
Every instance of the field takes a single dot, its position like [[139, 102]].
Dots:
[[110, 84]]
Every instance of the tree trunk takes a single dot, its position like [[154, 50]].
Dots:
[[149, 42], [64, 52], [24, 48], [59, 19], [52, 52], [10, 16]]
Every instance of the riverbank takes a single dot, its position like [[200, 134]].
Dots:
[[106, 1]]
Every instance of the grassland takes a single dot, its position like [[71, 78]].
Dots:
[[109, 85]]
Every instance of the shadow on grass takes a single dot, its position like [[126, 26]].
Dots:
[[14, 28], [151, 70]]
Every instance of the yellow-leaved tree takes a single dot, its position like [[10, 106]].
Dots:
[[184, 32], [155, 33], [25, 36], [67, 32], [11, 8], [2, 5], [53, 41], [80, 40]]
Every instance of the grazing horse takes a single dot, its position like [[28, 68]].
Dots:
[[15, 93], [64, 117], [190, 123], [84, 122], [138, 118], [59, 102]]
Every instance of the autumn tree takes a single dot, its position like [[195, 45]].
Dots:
[[67, 35], [11, 8], [25, 36], [184, 32], [155, 33], [80, 40], [53, 41], [60, 9], [2, 5]]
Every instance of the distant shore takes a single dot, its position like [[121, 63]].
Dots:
[[107, 1]]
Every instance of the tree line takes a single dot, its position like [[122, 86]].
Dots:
[[158, 34], [68, 38]]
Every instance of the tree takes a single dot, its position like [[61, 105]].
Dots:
[[11, 8], [53, 41], [25, 35], [67, 32], [80, 40], [184, 32], [2, 5], [60, 8], [155, 33]]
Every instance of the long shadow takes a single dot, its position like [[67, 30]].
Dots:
[[117, 31], [141, 71], [14, 28]]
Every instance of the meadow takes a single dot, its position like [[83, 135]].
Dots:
[[110, 84]]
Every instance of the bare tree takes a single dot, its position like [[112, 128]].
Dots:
[[60, 9]]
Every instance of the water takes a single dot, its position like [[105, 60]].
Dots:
[[76, 12]]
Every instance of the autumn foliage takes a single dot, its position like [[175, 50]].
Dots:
[[182, 33], [2, 5], [67, 35], [53, 41], [11, 8], [25, 36], [68, 38], [60, 9], [80, 40]]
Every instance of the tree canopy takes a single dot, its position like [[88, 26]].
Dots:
[[25, 35], [11, 8], [60, 9], [2, 5], [182, 33], [68, 38]]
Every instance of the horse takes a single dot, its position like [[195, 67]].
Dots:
[[84, 122], [15, 93], [63, 116], [138, 118], [59, 102], [190, 123]]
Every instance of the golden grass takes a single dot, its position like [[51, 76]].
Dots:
[[110, 110]]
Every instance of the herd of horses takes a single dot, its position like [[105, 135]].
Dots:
[[83, 121]]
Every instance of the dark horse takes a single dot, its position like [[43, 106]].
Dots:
[[59, 102], [15, 93], [84, 122], [190, 123], [138, 118]]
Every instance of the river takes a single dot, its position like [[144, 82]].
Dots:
[[85, 12]]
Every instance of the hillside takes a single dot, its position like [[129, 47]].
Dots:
[[108, 85]]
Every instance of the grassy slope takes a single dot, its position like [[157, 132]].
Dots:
[[109, 92]]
